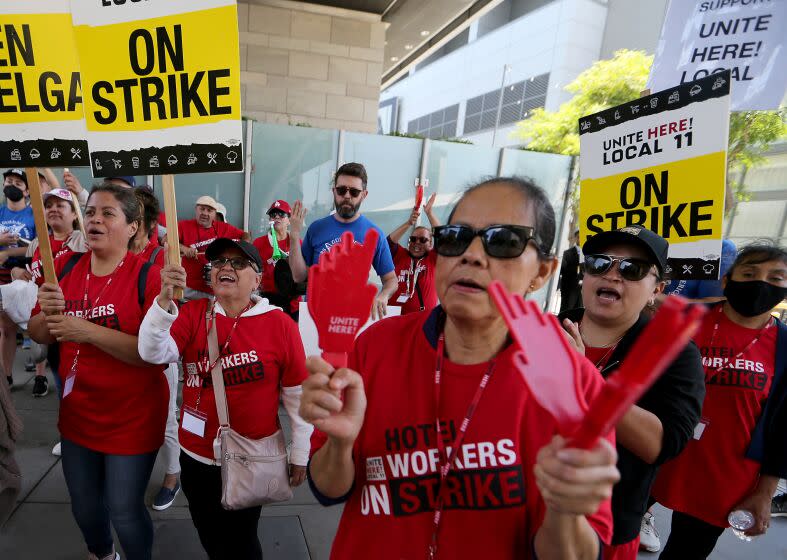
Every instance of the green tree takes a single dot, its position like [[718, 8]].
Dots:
[[620, 79]]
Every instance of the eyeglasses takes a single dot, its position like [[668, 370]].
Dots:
[[500, 241], [342, 191], [277, 214], [419, 239], [630, 268], [237, 263]]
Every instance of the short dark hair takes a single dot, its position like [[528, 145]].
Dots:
[[763, 250], [545, 222], [352, 170], [129, 203], [150, 208]]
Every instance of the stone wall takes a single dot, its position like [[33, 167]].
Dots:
[[305, 63]]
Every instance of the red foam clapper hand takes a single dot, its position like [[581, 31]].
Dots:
[[339, 295], [544, 357], [419, 197], [656, 347]]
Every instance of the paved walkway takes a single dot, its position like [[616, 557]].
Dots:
[[42, 528]]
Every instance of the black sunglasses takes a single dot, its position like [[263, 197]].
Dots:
[[237, 263], [500, 241], [277, 214], [419, 239], [342, 191], [630, 268]]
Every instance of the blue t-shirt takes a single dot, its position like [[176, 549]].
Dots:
[[698, 289], [326, 232], [21, 223]]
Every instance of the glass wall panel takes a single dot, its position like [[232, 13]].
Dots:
[[291, 163], [548, 171], [392, 165], [452, 167], [226, 188]]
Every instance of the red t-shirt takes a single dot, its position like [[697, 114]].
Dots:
[[494, 508], [265, 351], [193, 235], [59, 249], [263, 245], [408, 268], [713, 474], [147, 252], [114, 407]]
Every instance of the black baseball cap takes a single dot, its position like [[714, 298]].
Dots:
[[654, 245], [215, 249], [15, 171]]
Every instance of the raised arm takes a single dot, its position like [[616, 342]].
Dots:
[[300, 271], [397, 234], [156, 345], [433, 220], [335, 402]]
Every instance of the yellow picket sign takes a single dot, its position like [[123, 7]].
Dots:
[[43, 84], [679, 200], [171, 71]]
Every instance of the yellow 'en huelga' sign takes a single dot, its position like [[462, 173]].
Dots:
[[162, 85], [660, 162], [41, 121]]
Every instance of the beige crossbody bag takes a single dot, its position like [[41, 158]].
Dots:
[[254, 472]]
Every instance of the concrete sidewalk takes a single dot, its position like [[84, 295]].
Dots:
[[42, 528]]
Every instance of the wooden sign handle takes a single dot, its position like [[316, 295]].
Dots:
[[42, 231], [171, 213]]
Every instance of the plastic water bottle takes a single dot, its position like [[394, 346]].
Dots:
[[741, 520]]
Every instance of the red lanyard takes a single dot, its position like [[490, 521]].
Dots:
[[751, 343], [212, 314], [447, 461], [229, 336], [88, 314]]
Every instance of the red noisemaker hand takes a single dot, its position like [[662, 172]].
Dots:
[[550, 371], [419, 197], [339, 295]]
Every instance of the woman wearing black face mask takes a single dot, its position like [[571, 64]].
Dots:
[[738, 452]]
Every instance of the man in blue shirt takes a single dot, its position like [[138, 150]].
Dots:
[[349, 191]]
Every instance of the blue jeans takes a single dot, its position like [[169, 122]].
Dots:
[[110, 488]]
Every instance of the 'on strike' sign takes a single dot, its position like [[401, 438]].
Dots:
[[161, 81], [660, 162]]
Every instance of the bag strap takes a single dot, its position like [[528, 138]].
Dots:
[[154, 254], [142, 283], [217, 375], [70, 264], [420, 295]]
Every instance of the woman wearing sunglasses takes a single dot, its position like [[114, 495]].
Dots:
[[623, 274], [434, 441], [262, 360], [738, 452]]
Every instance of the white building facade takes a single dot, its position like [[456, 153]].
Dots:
[[529, 49]]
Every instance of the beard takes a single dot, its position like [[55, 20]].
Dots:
[[347, 210]]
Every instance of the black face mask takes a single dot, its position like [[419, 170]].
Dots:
[[754, 297], [13, 193]]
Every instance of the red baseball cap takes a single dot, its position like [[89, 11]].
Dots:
[[281, 206]]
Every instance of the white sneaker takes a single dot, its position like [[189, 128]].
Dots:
[[648, 535], [56, 450]]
